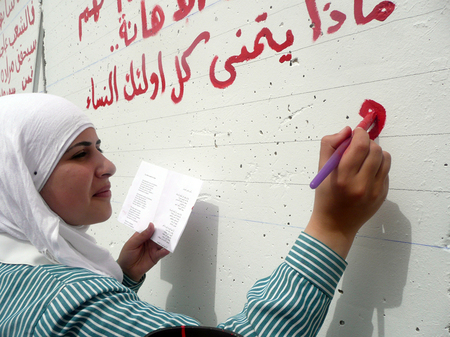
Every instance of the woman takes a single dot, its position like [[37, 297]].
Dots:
[[54, 183]]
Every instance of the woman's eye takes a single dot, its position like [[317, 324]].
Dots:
[[85, 152], [79, 155]]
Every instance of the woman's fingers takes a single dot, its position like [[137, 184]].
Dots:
[[356, 154], [329, 144]]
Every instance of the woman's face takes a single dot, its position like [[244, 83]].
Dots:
[[78, 189]]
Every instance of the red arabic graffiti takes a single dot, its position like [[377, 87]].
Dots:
[[16, 64], [88, 13], [27, 80], [123, 31], [2, 19], [380, 13], [137, 82], [6, 73], [183, 79], [369, 106], [140, 81], [245, 55], [261, 17], [157, 20], [14, 53], [25, 20], [104, 101], [9, 7], [186, 8], [8, 91], [128, 30], [132, 77]]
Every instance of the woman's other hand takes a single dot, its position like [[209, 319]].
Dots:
[[139, 254]]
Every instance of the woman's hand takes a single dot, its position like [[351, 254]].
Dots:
[[352, 193], [139, 254]]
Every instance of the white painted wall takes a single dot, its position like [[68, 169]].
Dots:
[[255, 144]]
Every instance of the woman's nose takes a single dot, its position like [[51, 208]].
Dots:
[[106, 167]]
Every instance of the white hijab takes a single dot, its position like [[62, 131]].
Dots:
[[35, 131]]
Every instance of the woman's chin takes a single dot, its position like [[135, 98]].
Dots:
[[104, 217], [92, 219]]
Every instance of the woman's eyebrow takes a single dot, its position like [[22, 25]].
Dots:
[[84, 143]]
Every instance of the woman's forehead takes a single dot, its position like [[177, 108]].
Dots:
[[88, 134]]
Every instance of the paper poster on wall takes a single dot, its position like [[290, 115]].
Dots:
[[19, 33]]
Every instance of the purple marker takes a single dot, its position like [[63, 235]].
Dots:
[[331, 164]]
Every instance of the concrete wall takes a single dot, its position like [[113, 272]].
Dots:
[[153, 79]]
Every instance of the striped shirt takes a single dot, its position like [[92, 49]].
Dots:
[[57, 300]]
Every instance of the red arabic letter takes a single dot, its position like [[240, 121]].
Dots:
[[380, 13], [157, 20], [96, 9], [161, 73], [285, 58], [137, 90], [123, 31], [127, 96], [339, 17], [265, 32], [177, 99], [261, 17], [8, 9], [86, 14], [101, 101], [116, 91], [93, 97], [4, 47], [245, 55], [201, 5], [142, 89], [228, 67], [182, 79], [185, 9], [110, 83], [154, 80], [27, 80], [315, 18], [2, 19], [380, 112], [32, 12]]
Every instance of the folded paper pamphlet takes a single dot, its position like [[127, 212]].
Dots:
[[163, 197]]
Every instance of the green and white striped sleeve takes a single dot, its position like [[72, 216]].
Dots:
[[91, 308], [294, 300]]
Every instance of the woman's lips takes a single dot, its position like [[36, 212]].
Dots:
[[105, 192]]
